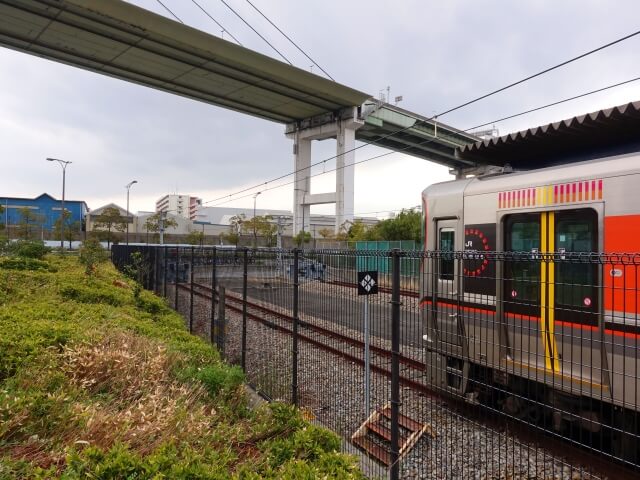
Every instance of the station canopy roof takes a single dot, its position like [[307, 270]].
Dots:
[[612, 131], [127, 42]]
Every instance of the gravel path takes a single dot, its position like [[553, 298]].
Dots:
[[331, 392]]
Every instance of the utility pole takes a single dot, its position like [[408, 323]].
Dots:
[[161, 226], [128, 187], [279, 244], [255, 234], [63, 164]]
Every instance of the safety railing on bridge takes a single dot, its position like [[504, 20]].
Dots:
[[430, 364]]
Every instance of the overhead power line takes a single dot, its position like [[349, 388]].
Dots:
[[547, 70], [425, 142], [364, 144], [169, 10], [290, 40], [558, 102], [216, 22], [256, 32]]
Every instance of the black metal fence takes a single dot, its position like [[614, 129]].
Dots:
[[506, 366]]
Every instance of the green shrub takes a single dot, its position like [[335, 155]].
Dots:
[[220, 377], [25, 263], [92, 254], [167, 462], [150, 304], [84, 294], [56, 358], [308, 443], [28, 249]]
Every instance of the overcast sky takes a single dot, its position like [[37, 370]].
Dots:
[[436, 54]]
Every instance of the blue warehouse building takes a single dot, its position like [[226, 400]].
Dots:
[[44, 205]]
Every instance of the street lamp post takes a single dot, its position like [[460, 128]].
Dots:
[[63, 164], [255, 233], [128, 187]]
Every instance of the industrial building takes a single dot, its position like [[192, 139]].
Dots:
[[45, 206]]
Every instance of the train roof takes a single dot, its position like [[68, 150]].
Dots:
[[605, 133], [608, 167]]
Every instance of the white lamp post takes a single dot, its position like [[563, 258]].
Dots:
[[128, 187], [63, 164]]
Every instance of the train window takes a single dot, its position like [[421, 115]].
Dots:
[[523, 235], [447, 244], [575, 231]]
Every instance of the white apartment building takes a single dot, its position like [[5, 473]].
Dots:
[[182, 205]]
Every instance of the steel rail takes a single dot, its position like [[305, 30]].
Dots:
[[410, 362], [489, 416]]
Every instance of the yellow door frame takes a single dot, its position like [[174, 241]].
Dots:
[[547, 291]]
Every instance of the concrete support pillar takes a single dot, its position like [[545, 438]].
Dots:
[[343, 128], [345, 176], [302, 185]]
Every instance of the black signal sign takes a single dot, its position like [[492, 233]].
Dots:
[[368, 283]]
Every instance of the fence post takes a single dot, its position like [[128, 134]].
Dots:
[[222, 322], [177, 279], [155, 267], [191, 292], [243, 362], [164, 274], [213, 296], [294, 369], [395, 362]]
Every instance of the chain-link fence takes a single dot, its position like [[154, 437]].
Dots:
[[442, 364]]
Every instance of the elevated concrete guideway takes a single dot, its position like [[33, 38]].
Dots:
[[115, 38]]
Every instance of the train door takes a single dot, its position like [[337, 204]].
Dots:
[[446, 280], [522, 292], [451, 342], [574, 296], [551, 303]]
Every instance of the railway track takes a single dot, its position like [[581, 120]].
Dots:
[[412, 376], [326, 339]]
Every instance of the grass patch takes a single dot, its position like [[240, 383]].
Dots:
[[96, 382]]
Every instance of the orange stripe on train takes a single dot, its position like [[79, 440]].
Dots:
[[588, 190]]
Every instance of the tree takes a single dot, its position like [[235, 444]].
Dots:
[[231, 238], [60, 221], [356, 231], [70, 233], [153, 222], [235, 227], [301, 238], [110, 219], [91, 254], [262, 226], [28, 222], [195, 237], [235, 223], [326, 233], [405, 226], [70, 228]]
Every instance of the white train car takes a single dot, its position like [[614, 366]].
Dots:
[[553, 325]]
